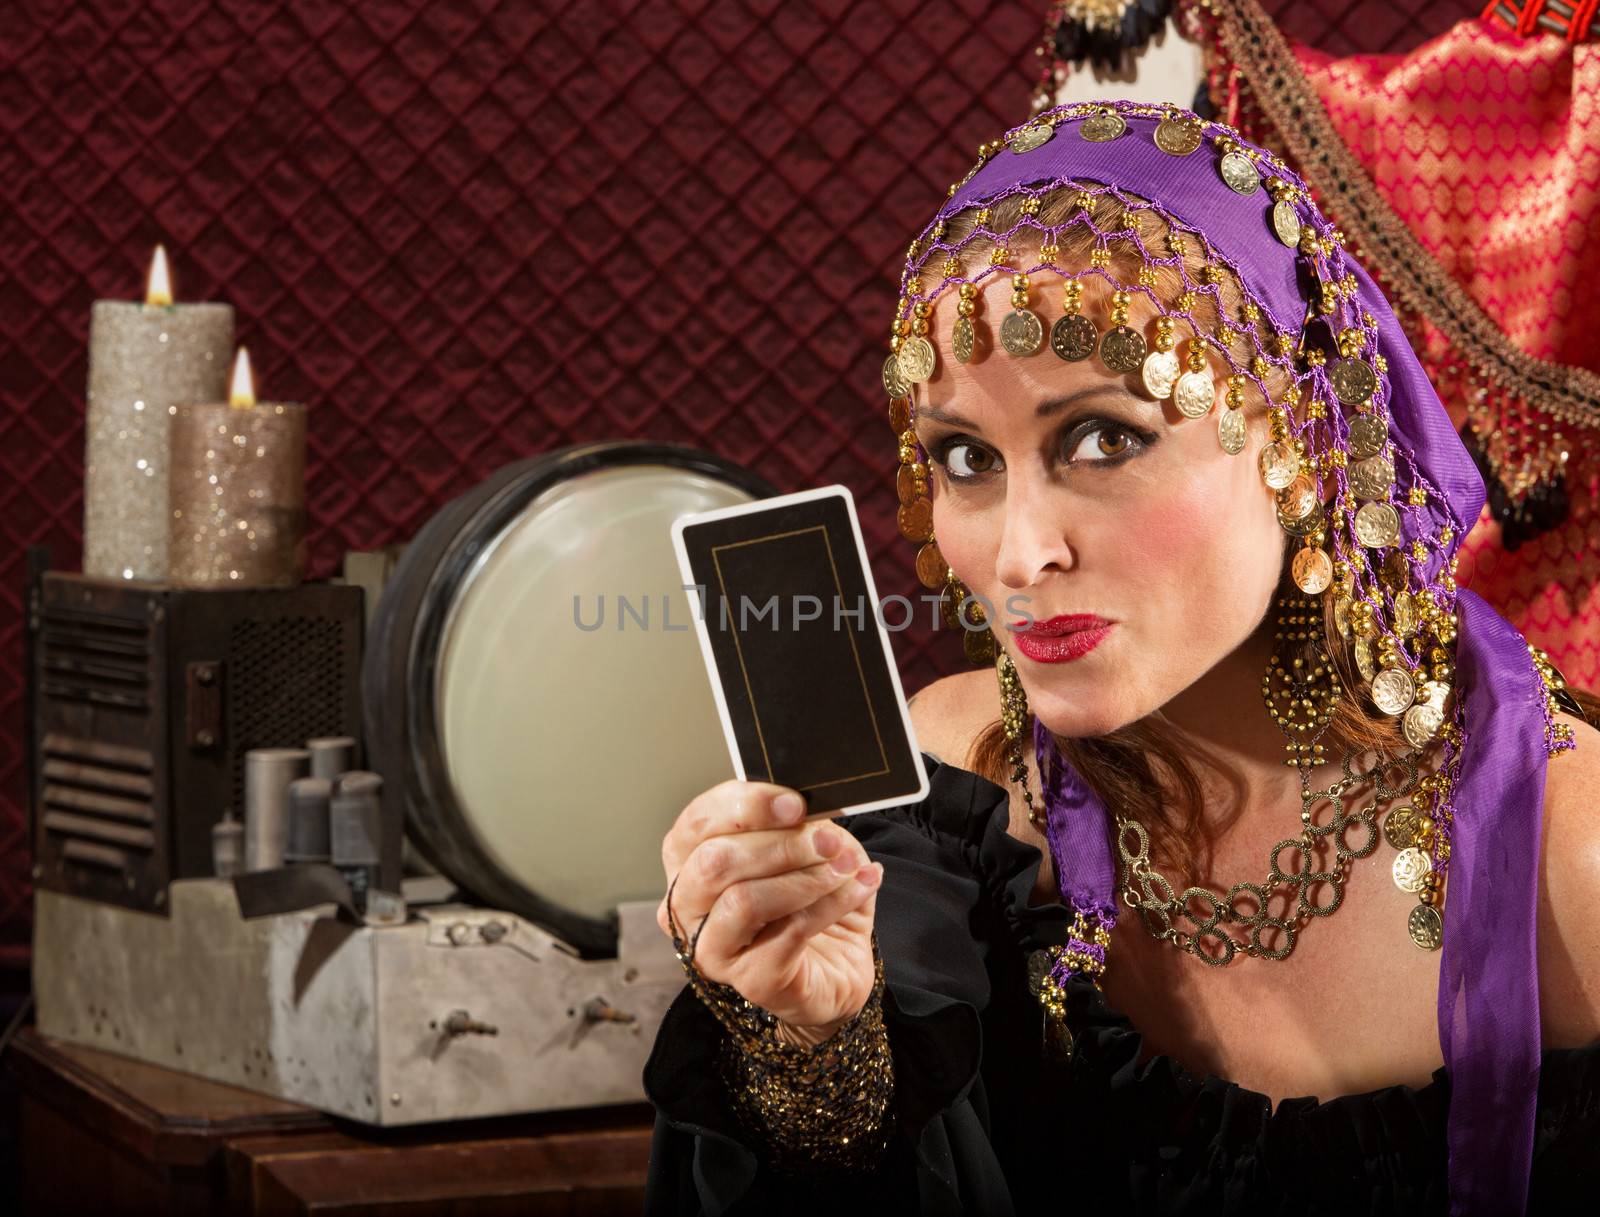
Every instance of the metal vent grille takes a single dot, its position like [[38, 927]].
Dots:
[[98, 800], [95, 659], [287, 678]]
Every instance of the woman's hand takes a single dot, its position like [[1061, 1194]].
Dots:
[[790, 904]]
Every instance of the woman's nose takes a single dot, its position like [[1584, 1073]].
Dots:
[[1033, 539]]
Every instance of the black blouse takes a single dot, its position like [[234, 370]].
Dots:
[[987, 1125]]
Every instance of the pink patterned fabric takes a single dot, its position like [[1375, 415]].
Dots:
[[1487, 146]]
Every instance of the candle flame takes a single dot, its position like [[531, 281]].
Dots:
[[243, 393], [159, 291]]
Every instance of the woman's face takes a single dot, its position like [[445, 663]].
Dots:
[[1065, 490]]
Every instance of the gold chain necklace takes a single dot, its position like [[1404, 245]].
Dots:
[[1159, 906], [1407, 829]]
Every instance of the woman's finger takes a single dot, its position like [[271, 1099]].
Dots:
[[729, 807], [789, 935], [746, 908], [770, 971], [718, 862]]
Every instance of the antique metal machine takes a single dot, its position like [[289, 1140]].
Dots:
[[534, 698]]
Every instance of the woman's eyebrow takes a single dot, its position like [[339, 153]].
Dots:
[[1045, 409], [935, 415]]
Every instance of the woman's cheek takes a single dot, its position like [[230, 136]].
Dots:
[[1173, 532], [962, 536]]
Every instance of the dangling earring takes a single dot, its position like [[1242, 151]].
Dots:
[[1014, 716], [1299, 685], [979, 645]]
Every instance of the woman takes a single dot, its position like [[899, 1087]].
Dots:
[[1184, 466]]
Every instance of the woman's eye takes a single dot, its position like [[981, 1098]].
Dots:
[[963, 461], [1103, 442], [1093, 441]]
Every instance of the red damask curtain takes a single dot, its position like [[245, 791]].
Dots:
[[465, 231]]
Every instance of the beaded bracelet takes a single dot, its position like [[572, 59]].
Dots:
[[822, 1107]]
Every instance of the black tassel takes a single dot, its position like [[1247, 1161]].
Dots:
[[1543, 508], [1076, 43]]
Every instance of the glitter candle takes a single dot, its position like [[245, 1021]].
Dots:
[[144, 360], [237, 490]]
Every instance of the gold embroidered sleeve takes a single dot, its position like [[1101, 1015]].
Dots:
[[812, 1108]]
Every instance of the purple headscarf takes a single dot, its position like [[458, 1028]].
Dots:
[[1488, 1003]]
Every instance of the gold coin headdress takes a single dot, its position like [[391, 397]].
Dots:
[[1251, 288]]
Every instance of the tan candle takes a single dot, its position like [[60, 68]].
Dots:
[[144, 359], [237, 490]]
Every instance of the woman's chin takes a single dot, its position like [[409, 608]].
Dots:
[[1083, 717]]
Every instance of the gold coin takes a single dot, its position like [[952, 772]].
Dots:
[[1354, 382], [951, 598], [1426, 927], [931, 566], [959, 610], [1102, 128], [893, 384], [1039, 964], [1377, 525], [1073, 337], [979, 645], [1302, 526], [916, 360], [1286, 223], [905, 484], [1279, 465], [1021, 333], [961, 339], [1231, 431], [1313, 571], [1341, 615], [1393, 691], [1122, 349], [981, 342], [1402, 827], [1368, 434], [1194, 394], [1434, 692], [1178, 137], [899, 414], [1298, 498], [1058, 1044], [916, 520], [1372, 478], [1405, 613], [1364, 661], [1034, 135], [1160, 373], [1240, 173], [1411, 870], [1421, 723]]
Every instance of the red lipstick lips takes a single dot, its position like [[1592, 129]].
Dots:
[[1059, 639]]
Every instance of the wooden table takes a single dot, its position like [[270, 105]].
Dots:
[[107, 1135]]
